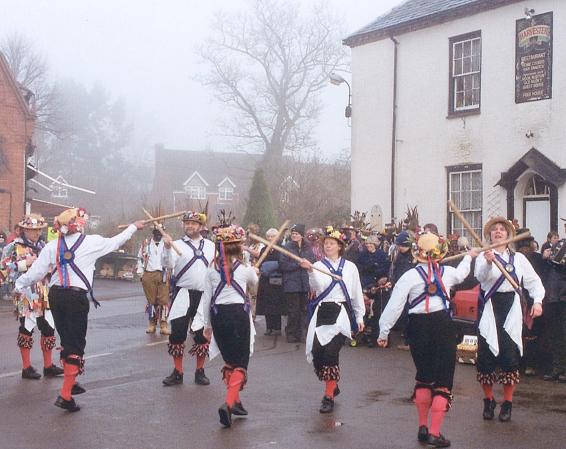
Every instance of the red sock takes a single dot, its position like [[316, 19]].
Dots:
[[26, 361], [487, 390], [423, 401], [200, 361], [437, 412], [330, 387], [508, 390], [47, 359], [69, 379], [233, 391], [178, 364]]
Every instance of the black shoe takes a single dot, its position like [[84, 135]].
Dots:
[[52, 371], [336, 391], [488, 409], [562, 378], [422, 435], [225, 415], [268, 332], [239, 410], [30, 373], [553, 375], [505, 412], [327, 405], [175, 378], [70, 406], [77, 389], [200, 378], [438, 441]]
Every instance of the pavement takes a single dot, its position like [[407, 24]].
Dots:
[[127, 407]]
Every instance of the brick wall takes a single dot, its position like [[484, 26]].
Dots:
[[16, 128]]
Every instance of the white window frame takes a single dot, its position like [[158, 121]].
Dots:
[[466, 80], [473, 214], [225, 193], [196, 192]]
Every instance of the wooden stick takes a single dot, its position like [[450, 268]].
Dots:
[[524, 235], [291, 255], [160, 229], [504, 272], [274, 242], [162, 217]]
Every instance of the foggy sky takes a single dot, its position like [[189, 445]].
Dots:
[[144, 51]]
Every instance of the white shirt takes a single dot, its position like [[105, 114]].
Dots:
[[411, 285], [244, 275], [193, 278], [487, 274], [351, 277], [154, 252], [92, 248]]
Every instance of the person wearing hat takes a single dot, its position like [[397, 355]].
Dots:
[[32, 308], [296, 283], [227, 315], [354, 246], [314, 237], [335, 314], [155, 283], [187, 284], [424, 290], [500, 326], [73, 254]]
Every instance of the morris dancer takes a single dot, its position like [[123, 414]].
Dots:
[[501, 320], [336, 313], [187, 285], [74, 255], [227, 314], [431, 332], [33, 308], [155, 283]]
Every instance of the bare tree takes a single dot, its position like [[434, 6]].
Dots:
[[30, 70], [269, 66]]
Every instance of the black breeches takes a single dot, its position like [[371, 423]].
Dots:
[[70, 313], [432, 340], [180, 326], [231, 327], [329, 354], [44, 328]]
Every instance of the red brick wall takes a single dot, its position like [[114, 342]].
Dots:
[[16, 129]]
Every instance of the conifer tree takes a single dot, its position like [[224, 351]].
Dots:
[[260, 206]]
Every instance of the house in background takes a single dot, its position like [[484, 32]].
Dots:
[[17, 123], [187, 180], [462, 100]]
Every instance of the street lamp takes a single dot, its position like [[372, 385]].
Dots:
[[337, 79]]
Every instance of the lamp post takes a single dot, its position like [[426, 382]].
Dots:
[[337, 79]]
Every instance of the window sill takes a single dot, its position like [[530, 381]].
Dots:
[[457, 114]]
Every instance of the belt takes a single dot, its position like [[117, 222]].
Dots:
[[75, 289]]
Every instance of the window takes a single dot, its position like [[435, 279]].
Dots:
[[196, 192], [465, 73], [225, 193], [465, 190], [59, 191]]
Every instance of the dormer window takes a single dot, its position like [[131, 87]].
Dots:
[[195, 186], [226, 189]]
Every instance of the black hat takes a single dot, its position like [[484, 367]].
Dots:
[[300, 228], [524, 242]]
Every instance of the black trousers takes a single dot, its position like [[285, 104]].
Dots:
[[180, 326], [231, 327], [329, 354], [509, 356], [556, 321], [44, 328], [70, 312], [273, 322], [296, 314], [432, 340]]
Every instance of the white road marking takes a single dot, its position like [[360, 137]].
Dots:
[[10, 374], [94, 356], [157, 343]]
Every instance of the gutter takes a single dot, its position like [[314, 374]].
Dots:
[[394, 126]]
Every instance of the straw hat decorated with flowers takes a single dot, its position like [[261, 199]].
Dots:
[[32, 221], [430, 247], [70, 221]]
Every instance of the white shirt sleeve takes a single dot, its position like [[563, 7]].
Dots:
[[454, 276], [357, 296], [485, 272], [105, 245], [169, 258], [396, 303], [531, 281], [252, 278], [39, 268], [206, 298]]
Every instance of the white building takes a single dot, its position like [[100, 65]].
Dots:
[[462, 99]]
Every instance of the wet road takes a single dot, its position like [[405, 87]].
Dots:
[[127, 407]]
